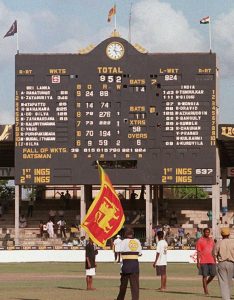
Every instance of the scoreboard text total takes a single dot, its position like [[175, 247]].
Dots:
[[148, 118]]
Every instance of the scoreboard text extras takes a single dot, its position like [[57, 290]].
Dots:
[[148, 118]]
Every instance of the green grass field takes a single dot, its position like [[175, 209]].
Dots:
[[66, 281]]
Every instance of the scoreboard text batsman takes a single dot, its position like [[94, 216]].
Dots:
[[148, 118]]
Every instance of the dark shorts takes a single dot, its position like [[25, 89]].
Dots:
[[207, 270], [161, 270]]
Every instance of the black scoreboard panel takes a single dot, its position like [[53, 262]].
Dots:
[[147, 118]]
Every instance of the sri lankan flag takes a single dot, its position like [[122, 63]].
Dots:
[[111, 13], [105, 216]]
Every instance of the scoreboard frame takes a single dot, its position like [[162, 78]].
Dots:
[[148, 118]]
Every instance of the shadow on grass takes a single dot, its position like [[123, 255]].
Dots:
[[189, 293], [26, 299], [78, 272], [68, 288], [179, 293]]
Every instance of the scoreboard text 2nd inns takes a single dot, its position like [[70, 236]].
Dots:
[[148, 118]]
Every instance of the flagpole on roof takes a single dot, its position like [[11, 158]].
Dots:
[[129, 24], [210, 34], [115, 16], [207, 20], [17, 38]]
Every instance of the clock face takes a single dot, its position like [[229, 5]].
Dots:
[[115, 50]]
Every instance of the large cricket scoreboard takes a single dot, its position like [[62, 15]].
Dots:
[[148, 118]]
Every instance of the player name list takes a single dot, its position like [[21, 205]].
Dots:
[[187, 116], [42, 117], [37, 115]]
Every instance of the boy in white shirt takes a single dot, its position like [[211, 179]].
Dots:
[[161, 260]]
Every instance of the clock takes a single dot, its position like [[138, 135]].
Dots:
[[115, 50]]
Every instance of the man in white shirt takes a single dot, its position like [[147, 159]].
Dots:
[[117, 243], [161, 260]]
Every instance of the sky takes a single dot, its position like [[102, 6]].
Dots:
[[65, 26]]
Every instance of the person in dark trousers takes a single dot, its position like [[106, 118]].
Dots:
[[130, 249], [224, 251], [62, 227], [206, 259], [160, 262], [90, 264]]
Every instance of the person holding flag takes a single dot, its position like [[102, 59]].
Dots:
[[90, 264], [103, 220]]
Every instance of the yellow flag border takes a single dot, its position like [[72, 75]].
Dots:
[[103, 183]]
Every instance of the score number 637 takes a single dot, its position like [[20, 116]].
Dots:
[[204, 171]]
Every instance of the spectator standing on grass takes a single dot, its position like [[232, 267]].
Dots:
[[160, 262], [224, 251], [206, 259], [90, 264], [116, 245], [130, 249]]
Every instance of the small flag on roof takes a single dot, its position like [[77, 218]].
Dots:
[[12, 30], [111, 13], [205, 20]]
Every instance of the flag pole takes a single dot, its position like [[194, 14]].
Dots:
[[129, 24], [115, 17], [210, 34], [17, 38]]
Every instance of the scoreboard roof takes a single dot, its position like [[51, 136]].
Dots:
[[148, 118]]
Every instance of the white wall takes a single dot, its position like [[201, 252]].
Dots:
[[79, 256]]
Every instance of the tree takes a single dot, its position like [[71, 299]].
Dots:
[[190, 192]]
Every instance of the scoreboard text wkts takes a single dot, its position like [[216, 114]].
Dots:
[[148, 118]]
